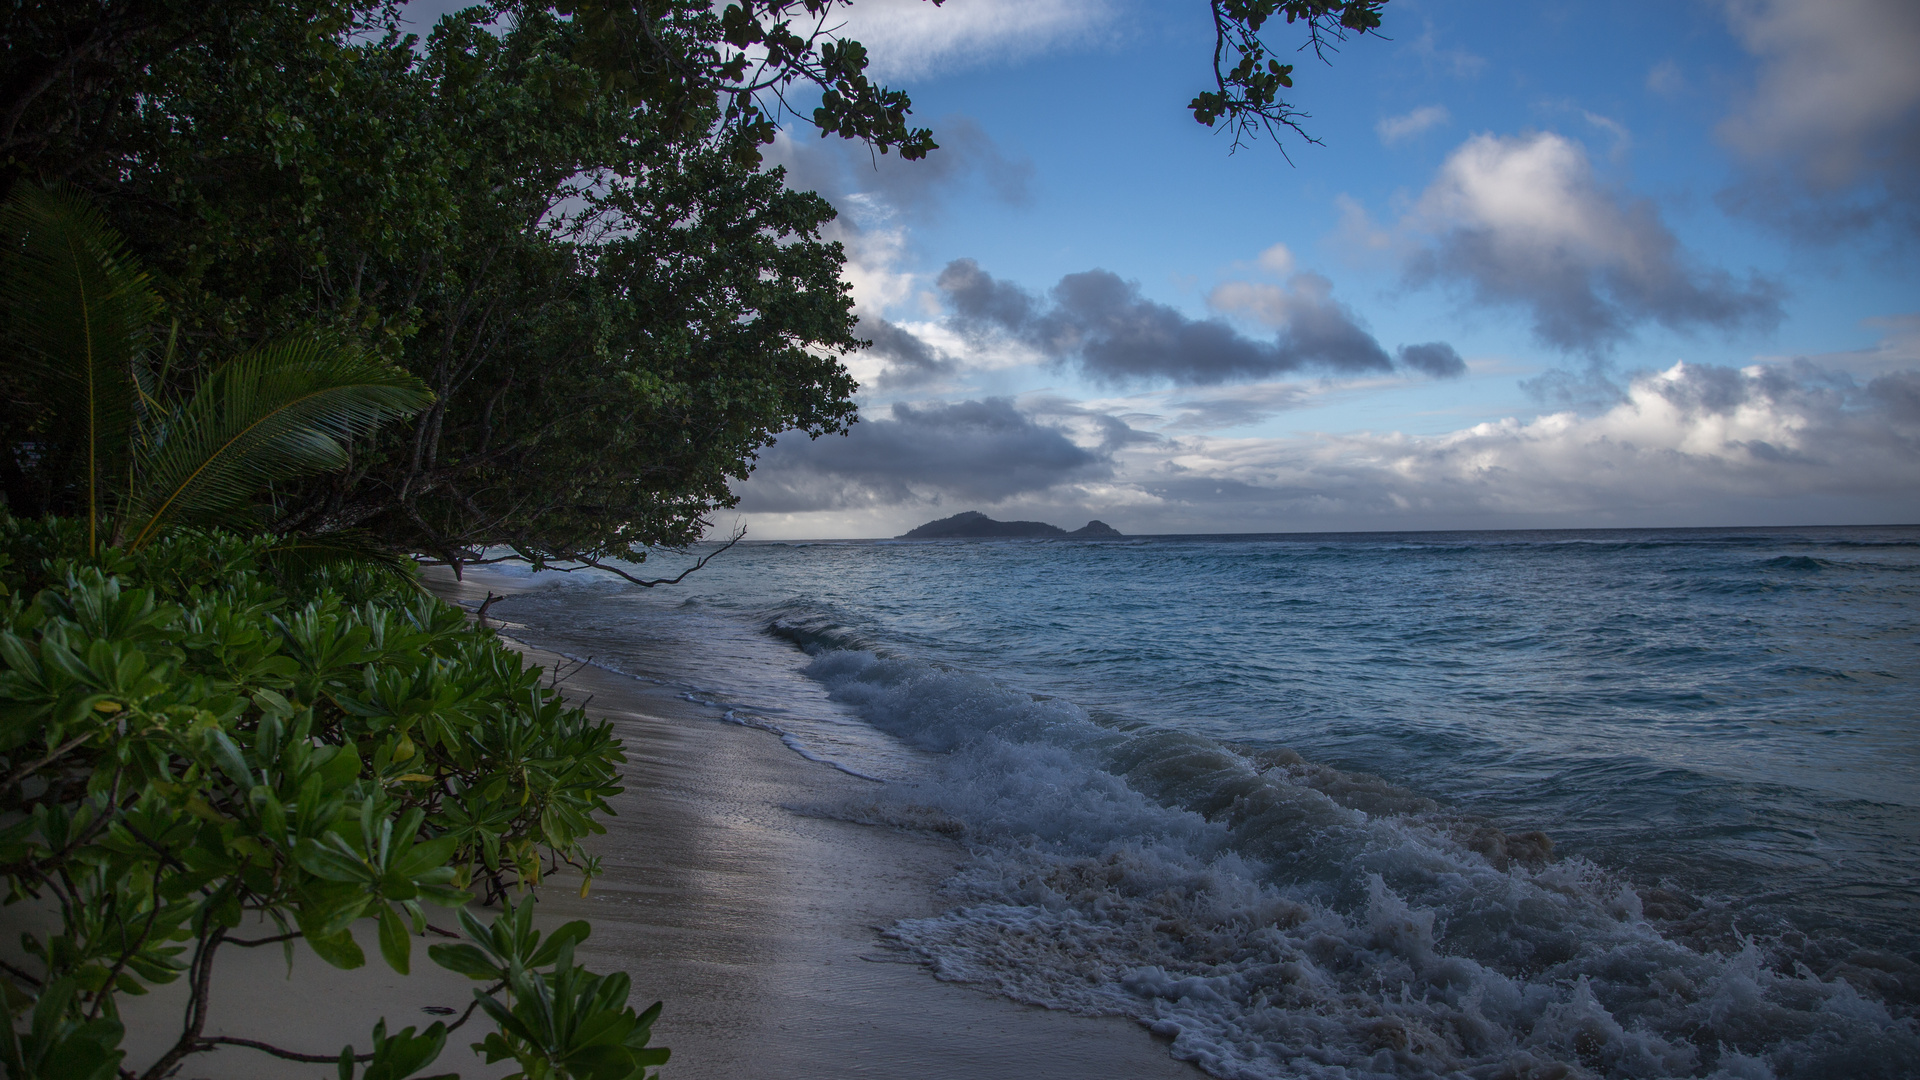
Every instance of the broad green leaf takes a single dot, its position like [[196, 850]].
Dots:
[[395, 943], [339, 949]]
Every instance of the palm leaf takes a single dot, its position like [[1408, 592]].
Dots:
[[278, 412], [303, 557], [80, 316]]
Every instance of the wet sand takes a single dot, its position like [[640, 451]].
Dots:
[[758, 925]]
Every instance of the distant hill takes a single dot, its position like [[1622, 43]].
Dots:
[[975, 525]]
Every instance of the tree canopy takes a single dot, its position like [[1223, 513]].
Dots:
[[554, 214]]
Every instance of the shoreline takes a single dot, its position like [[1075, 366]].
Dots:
[[759, 924], [756, 923]]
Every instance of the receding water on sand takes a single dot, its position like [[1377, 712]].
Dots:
[[1626, 804]]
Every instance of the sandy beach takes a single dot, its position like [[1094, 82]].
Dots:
[[757, 923]]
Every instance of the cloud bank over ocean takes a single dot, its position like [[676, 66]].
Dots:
[[1690, 444]]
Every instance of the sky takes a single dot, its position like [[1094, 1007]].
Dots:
[[1549, 265]]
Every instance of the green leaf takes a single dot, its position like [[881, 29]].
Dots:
[[329, 863], [227, 755], [279, 412], [339, 949], [81, 314], [396, 945], [464, 959]]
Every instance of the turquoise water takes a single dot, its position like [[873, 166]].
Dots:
[[1283, 797]]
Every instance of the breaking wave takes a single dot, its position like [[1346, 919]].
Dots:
[[1277, 918]]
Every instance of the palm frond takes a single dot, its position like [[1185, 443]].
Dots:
[[304, 558], [281, 411], [80, 315]]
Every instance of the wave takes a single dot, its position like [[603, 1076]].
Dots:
[[1277, 918], [812, 626]]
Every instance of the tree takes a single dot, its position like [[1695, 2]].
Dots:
[[188, 742], [613, 316], [119, 446], [561, 227]]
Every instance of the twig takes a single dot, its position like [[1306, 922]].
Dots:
[[268, 1048], [19, 974], [255, 943], [30, 767], [592, 562], [480, 613]]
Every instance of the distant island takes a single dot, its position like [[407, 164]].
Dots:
[[973, 525]]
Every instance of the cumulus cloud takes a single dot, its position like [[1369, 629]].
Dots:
[[878, 198], [982, 451], [1784, 443], [911, 361], [1277, 259], [1116, 336], [1831, 130], [913, 39], [1694, 443], [1524, 222], [1392, 129], [1436, 358]]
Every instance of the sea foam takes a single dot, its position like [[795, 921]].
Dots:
[[1274, 918]]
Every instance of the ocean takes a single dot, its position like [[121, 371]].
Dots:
[[1620, 803]]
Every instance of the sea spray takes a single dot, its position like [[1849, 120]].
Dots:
[[1279, 919]]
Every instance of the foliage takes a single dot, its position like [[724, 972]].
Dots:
[[614, 315], [199, 755], [1247, 80], [80, 315], [561, 1021], [549, 213]]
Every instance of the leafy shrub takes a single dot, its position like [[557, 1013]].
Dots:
[[201, 748]]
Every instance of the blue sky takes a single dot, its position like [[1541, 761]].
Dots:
[[1554, 264]]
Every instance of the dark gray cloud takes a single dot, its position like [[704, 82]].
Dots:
[[843, 168], [1830, 134], [910, 361], [1524, 222], [1898, 395], [977, 451], [1115, 335], [1435, 358]]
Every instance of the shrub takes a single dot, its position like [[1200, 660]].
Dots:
[[205, 747]]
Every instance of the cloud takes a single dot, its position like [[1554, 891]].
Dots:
[[1666, 79], [845, 169], [878, 197], [982, 452], [1392, 129], [911, 360], [1831, 130], [1244, 405], [913, 39], [1277, 259], [1436, 358], [1117, 336], [1459, 63], [1314, 328], [1524, 222], [1695, 443]]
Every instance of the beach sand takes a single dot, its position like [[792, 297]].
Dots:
[[758, 925]]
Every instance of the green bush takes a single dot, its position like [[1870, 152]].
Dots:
[[204, 746]]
